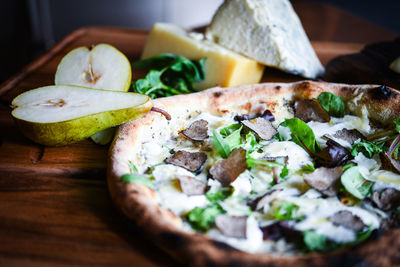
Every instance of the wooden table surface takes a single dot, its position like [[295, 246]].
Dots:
[[54, 203]]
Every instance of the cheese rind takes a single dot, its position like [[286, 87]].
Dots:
[[222, 67], [268, 31]]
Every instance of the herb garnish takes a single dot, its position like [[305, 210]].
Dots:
[[168, 75], [202, 219], [302, 135], [332, 103]]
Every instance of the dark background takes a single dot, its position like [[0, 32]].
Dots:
[[29, 27]]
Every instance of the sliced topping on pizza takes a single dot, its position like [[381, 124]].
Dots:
[[226, 171], [387, 199], [348, 220], [262, 127], [325, 180], [266, 199], [191, 186], [347, 135], [197, 131], [333, 155], [233, 226], [310, 110], [267, 114], [191, 161]]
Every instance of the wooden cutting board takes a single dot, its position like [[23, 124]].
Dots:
[[54, 203]]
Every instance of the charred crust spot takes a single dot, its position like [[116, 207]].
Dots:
[[383, 93], [347, 260], [278, 87], [173, 239], [217, 94], [223, 246]]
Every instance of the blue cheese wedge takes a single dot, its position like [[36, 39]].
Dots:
[[268, 31]]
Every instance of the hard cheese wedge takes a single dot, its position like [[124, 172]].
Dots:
[[223, 67], [268, 31]]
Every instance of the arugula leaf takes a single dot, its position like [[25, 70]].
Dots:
[[251, 143], [251, 162], [355, 184], [227, 139], [136, 178], [318, 242], [396, 122], [302, 134], [369, 149], [132, 168], [348, 166], [284, 172], [224, 193], [168, 75], [202, 219], [332, 103], [287, 211], [315, 241], [308, 168]]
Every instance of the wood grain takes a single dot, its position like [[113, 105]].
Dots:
[[54, 204]]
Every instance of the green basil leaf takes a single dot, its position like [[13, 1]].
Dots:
[[222, 194], [355, 184], [302, 134], [202, 219], [287, 211], [332, 103], [136, 178]]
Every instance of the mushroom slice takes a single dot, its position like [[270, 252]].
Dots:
[[227, 170], [233, 226], [310, 110], [263, 200], [191, 161], [348, 220], [197, 131], [267, 114], [191, 186], [281, 229], [347, 135], [262, 127], [325, 180], [387, 199]]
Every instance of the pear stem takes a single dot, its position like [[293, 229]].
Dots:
[[163, 112]]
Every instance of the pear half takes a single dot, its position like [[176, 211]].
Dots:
[[61, 114], [102, 67]]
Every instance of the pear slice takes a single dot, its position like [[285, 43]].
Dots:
[[102, 67], [61, 114]]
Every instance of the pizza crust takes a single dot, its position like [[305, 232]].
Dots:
[[139, 203]]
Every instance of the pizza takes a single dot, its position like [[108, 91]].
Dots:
[[273, 174]]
